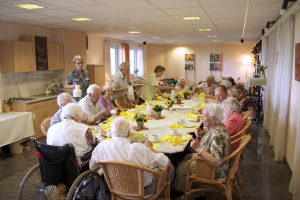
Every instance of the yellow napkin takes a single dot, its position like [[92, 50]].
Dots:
[[175, 139], [191, 115], [201, 95]]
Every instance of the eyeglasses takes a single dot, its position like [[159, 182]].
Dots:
[[79, 63]]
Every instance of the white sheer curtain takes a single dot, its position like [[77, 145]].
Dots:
[[279, 85], [107, 60], [140, 60]]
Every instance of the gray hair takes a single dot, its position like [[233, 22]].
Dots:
[[77, 57], [180, 79], [92, 88], [232, 103], [210, 77], [215, 112], [71, 111], [124, 65], [106, 86], [63, 99], [120, 127], [226, 83]]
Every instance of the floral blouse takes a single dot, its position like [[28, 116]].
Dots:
[[84, 81], [217, 143]]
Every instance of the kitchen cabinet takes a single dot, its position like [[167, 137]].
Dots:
[[41, 110], [16, 56], [96, 74], [56, 57]]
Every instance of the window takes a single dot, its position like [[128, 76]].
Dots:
[[115, 51], [136, 61]]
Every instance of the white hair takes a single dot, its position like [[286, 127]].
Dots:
[[226, 84], [123, 65], [77, 57], [92, 88], [71, 111], [63, 99], [215, 112], [120, 127], [181, 79], [106, 86], [232, 103]]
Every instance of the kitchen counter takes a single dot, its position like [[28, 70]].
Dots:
[[34, 99]]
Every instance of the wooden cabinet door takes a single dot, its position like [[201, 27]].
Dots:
[[6, 57], [51, 108], [56, 57], [23, 56], [39, 117]]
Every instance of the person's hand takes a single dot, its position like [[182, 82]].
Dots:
[[199, 132], [105, 112], [126, 89], [148, 144], [194, 144]]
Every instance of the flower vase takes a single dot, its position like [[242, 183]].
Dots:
[[178, 101], [140, 125], [158, 114]]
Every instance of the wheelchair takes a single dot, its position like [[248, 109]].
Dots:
[[58, 166]]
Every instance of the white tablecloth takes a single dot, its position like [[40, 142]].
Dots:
[[15, 126], [250, 82]]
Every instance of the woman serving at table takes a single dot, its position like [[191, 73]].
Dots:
[[212, 144]]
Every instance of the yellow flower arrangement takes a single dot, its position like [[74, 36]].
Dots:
[[169, 102], [179, 96], [140, 117]]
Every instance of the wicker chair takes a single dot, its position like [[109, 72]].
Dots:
[[205, 174], [45, 125], [247, 114], [242, 132], [123, 103], [126, 180]]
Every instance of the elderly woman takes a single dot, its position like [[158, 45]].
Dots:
[[62, 100], [71, 130], [234, 121], [207, 87], [213, 145], [105, 100], [78, 76], [231, 89], [181, 85]]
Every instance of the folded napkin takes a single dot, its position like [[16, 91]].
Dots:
[[191, 115]]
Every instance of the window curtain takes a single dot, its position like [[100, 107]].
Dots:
[[140, 60], [107, 61], [279, 85]]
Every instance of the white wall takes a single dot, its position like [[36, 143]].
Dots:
[[172, 57], [294, 112]]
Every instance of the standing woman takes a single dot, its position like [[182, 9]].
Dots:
[[78, 76]]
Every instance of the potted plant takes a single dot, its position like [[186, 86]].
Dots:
[[140, 119], [187, 95], [169, 103], [179, 96], [157, 109]]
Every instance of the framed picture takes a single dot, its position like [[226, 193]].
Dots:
[[215, 67], [214, 57], [189, 61], [216, 62], [297, 62]]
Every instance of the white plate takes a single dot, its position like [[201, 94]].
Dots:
[[183, 107], [183, 138], [189, 125], [192, 119]]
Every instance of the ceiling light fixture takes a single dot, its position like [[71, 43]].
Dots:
[[212, 36], [134, 32], [245, 20], [81, 19], [29, 6], [204, 29], [190, 18], [169, 41], [217, 40]]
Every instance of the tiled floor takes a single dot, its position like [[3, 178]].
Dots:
[[265, 179]]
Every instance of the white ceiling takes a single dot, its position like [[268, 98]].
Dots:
[[153, 18]]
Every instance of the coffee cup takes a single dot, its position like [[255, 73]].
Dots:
[[154, 138], [173, 131]]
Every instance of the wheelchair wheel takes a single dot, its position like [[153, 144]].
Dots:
[[31, 186], [83, 186]]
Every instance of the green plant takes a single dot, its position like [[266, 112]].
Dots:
[[140, 117], [157, 108], [169, 102], [179, 96], [261, 68]]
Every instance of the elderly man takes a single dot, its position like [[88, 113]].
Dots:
[[207, 87], [120, 149], [91, 107], [119, 81], [71, 130], [151, 85], [234, 121], [62, 100], [221, 93], [181, 85]]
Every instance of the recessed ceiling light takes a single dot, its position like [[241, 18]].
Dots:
[[216, 40], [29, 6], [134, 32], [155, 37], [81, 19], [190, 18], [204, 29], [169, 41], [212, 36]]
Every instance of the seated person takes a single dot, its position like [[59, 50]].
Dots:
[[120, 149], [62, 100], [234, 121], [207, 87], [212, 144], [231, 89], [181, 85], [71, 130], [106, 99], [221, 93], [151, 85], [90, 105]]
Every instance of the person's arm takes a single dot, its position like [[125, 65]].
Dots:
[[90, 139], [69, 83]]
